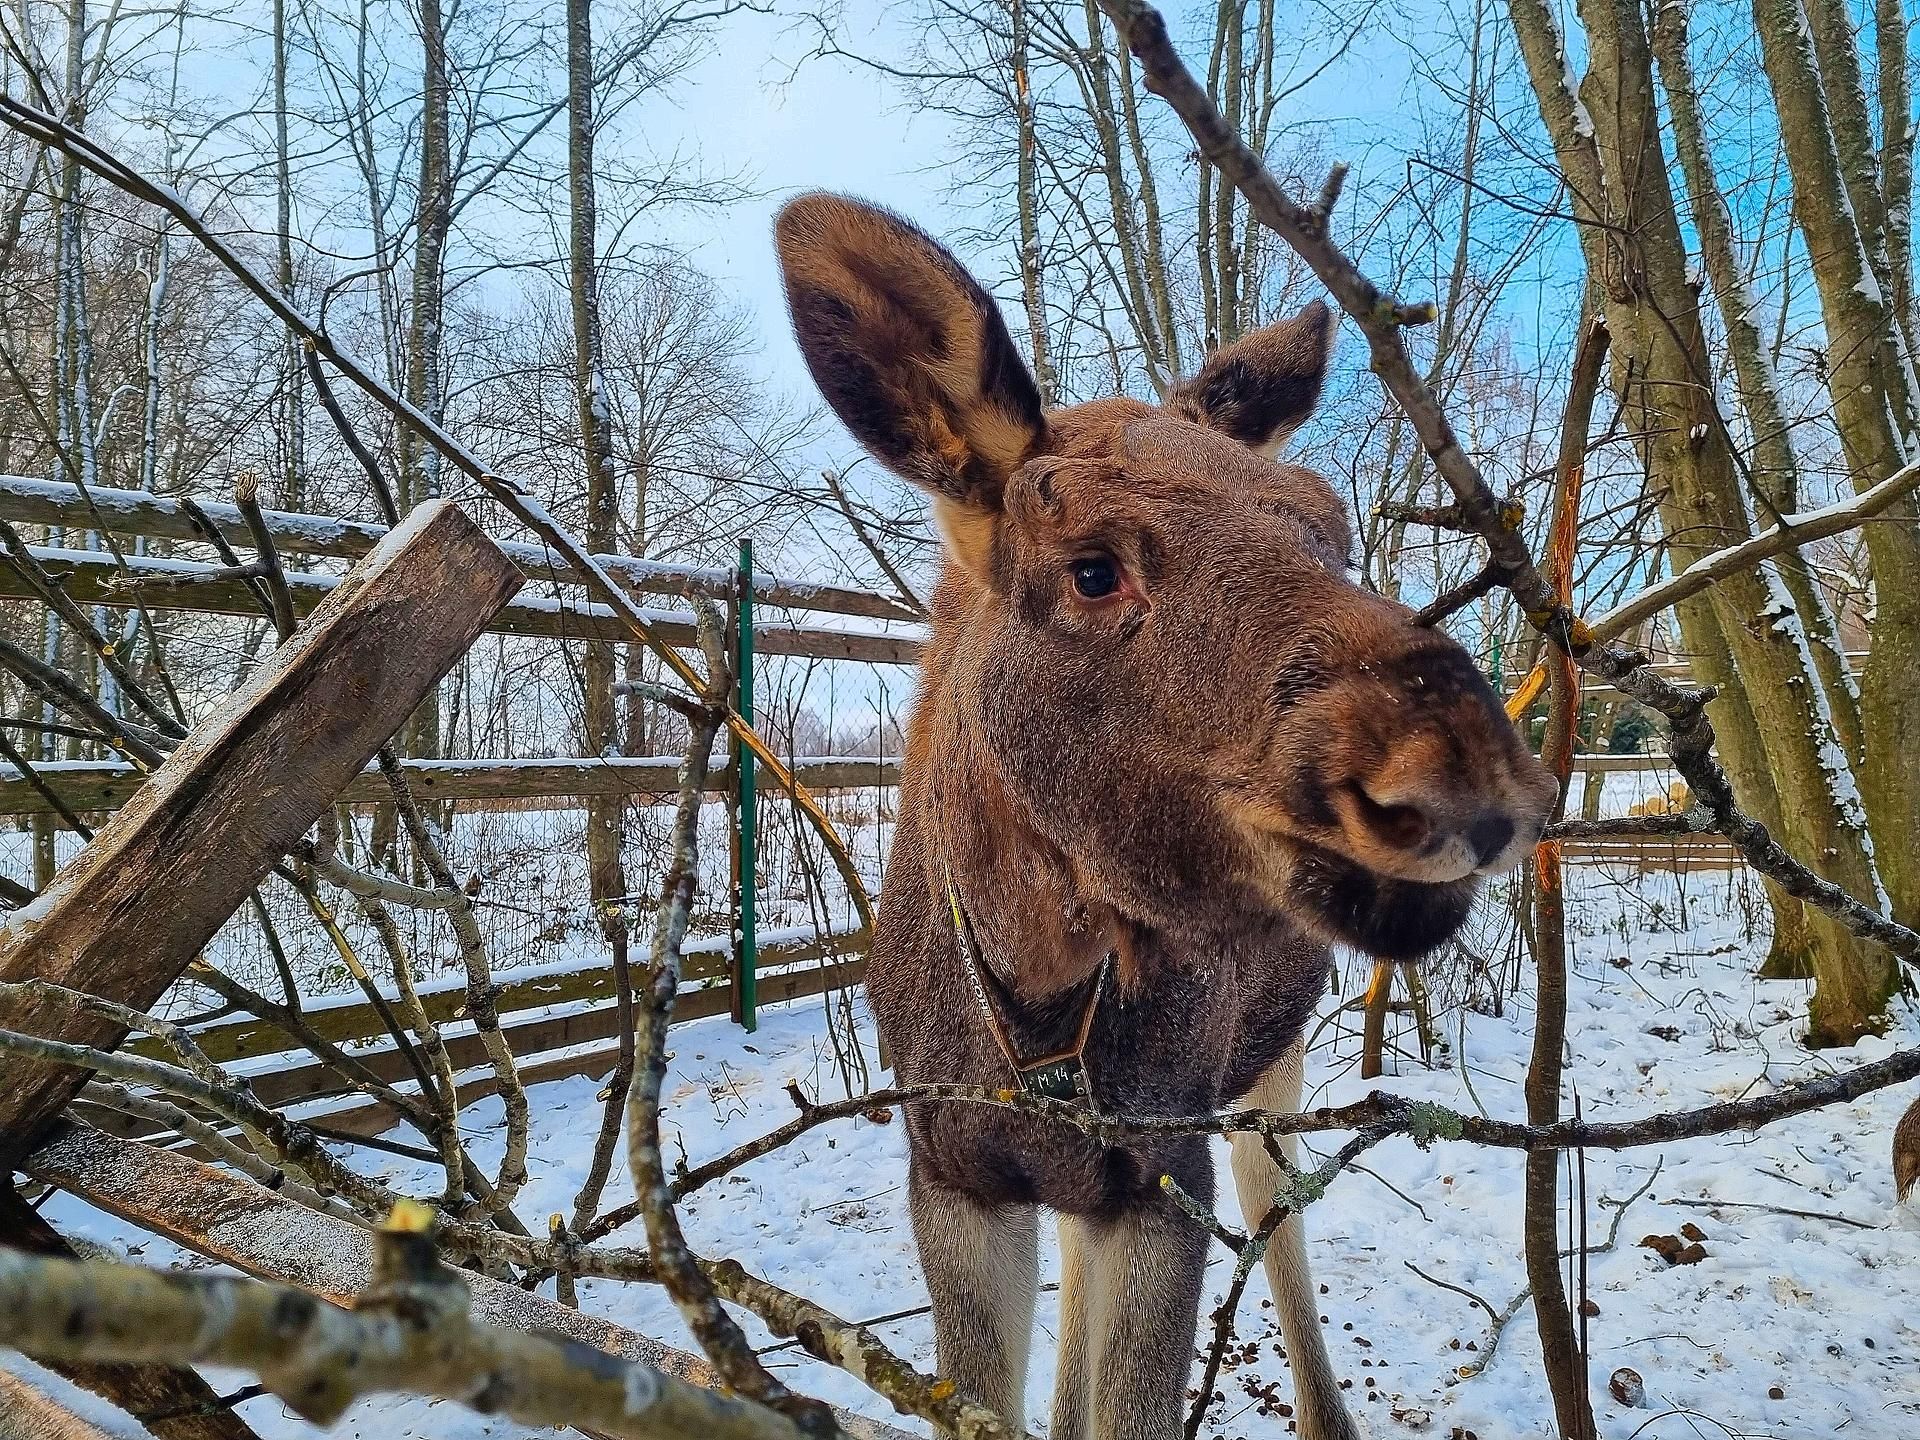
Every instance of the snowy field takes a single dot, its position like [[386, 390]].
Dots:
[[1791, 1326]]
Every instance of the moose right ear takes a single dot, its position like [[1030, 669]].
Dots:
[[913, 356]]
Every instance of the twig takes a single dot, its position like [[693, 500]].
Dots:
[[904, 591], [323, 391], [1421, 1121], [409, 1332], [1489, 578], [118, 1098], [1712, 1204], [140, 581], [229, 557], [862, 1354], [11, 754], [482, 1009], [1490, 1342], [246, 498], [82, 625], [1439, 517], [1793, 532], [290, 1141], [675, 1265], [1692, 821], [144, 753], [586, 1202], [1492, 1313], [1297, 1190]]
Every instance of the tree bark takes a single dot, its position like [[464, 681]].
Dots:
[[1775, 466], [1896, 139], [141, 1390], [606, 878], [1871, 386], [1033, 290]]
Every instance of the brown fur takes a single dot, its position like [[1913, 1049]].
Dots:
[[1906, 1152], [1233, 760]]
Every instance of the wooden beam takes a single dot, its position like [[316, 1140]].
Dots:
[[225, 1041], [93, 786], [90, 578], [96, 786], [25, 500], [125, 918], [29, 1413], [177, 1403], [231, 1220], [563, 1046]]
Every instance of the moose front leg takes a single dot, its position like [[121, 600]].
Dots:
[[1130, 1299], [1322, 1415], [982, 1266]]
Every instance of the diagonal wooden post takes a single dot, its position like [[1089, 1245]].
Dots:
[[126, 917]]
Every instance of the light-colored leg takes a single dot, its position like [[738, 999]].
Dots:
[[1123, 1375], [1319, 1411], [982, 1266], [1073, 1377]]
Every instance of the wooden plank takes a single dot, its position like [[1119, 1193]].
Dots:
[[159, 1391], [229, 1040], [543, 1048], [89, 578], [25, 500], [29, 1413], [89, 786], [360, 1116], [136, 905], [94, 786], [231, 1220]]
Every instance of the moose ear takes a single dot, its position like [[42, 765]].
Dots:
[[912, 355], [1260, 388]]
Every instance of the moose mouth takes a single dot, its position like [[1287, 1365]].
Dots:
[[1380, 915]]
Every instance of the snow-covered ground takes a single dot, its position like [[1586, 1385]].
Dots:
[[1791, 1326]]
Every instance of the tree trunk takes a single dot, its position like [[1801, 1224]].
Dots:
[[1775, 467], [419, 462], [1871, 386], [605, 877], [1830, 28], [1033, 294], [293, 370], [1897, 135]]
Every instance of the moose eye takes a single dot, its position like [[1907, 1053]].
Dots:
[[1096, 576]]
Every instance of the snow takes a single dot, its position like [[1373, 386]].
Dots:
[[1848, 803], [1665, 1014]]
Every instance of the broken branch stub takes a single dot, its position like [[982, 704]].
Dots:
[[125, 918]]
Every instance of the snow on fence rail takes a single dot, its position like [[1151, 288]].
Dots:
[[91, 578], [90, 786], [26, 500]]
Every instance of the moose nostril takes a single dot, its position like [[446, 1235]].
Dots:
[[1405, 827], [1489, 835]]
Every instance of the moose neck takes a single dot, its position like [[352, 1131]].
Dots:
[[1041, 928]]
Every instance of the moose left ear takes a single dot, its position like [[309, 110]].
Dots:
[[1262, 386]]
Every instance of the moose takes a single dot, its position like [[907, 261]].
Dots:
[[1166, 754]]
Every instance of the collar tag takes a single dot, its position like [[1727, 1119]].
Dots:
[[1062, 1079]]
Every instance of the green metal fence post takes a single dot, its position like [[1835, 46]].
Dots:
[[745, 985]]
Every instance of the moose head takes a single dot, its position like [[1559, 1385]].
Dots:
[[1147, 626]]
